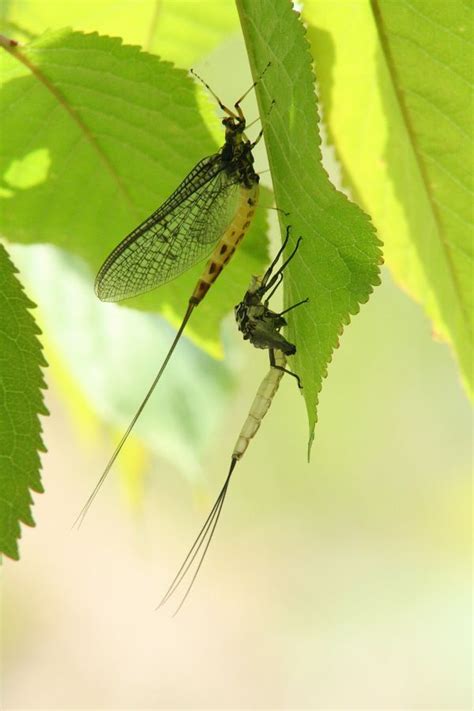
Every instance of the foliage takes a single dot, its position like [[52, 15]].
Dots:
[[400, 117], [102, 133], [21, 401], [337, 264], [99, 133], [179, 31]]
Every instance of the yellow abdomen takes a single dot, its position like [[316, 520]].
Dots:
[[228, 242]]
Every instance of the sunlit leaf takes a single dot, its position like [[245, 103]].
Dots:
[[337, 264], [180, 31], [396, 86]]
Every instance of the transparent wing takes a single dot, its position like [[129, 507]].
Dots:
[[179, 234]]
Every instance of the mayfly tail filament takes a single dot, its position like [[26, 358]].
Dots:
[[203, 538]]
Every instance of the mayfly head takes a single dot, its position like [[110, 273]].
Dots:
[[234, 125], [237, 146]]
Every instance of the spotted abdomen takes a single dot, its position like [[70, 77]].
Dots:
[[228, 243]]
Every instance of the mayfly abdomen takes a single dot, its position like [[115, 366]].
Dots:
[[228, 242], [259, 408]]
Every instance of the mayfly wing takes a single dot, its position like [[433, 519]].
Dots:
[[175, 237], [261, 327]]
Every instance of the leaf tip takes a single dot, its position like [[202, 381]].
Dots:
[[310, 444]]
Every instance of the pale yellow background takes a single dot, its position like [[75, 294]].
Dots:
[[343, 584]]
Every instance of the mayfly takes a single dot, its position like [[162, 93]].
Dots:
[[208, 214], [261, 326]]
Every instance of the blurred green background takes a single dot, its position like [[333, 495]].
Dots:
[[340, 584]]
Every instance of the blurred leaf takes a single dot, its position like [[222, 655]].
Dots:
[[396, 85], [117, 130], [337, 263], [184, 31], [179, 31], [21, 401], [112, 354]]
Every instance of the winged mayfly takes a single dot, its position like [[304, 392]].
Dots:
[[209, 213], [261, 326]]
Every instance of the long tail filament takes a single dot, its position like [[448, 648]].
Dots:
[[203, 539], [118, 448]]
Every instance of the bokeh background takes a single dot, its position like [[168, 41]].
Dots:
[[344, 583]]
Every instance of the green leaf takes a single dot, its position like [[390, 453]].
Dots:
[[396, 85], [337, 263], [112, 355], [180, 31], [105, 133], [21, 402]]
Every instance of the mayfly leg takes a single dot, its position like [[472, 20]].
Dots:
[[272, 281]]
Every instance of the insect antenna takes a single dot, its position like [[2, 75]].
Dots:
[[221, 104], [203, 538], [225, 108], [290, 308], [86, 507], [259, 78]]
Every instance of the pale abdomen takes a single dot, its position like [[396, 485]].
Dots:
[[263, 400]]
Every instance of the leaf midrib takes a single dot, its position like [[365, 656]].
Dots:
[[62, 101]]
